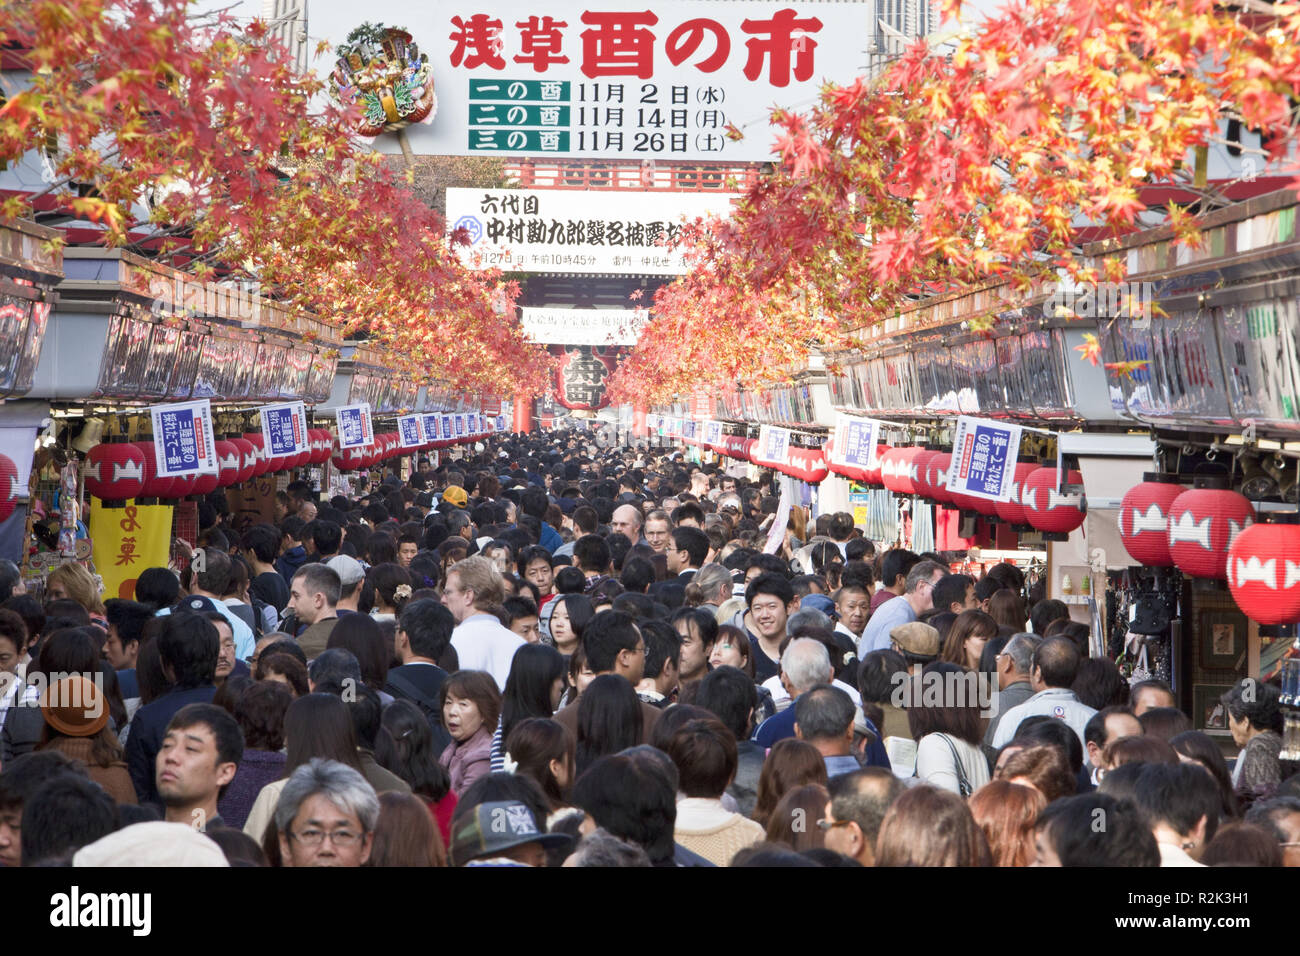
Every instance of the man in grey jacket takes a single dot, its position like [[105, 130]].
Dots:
[[1051, 673], [1013, 666]]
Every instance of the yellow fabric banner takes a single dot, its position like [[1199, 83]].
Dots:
[[127, 540]]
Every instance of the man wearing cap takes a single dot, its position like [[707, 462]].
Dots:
[[501, 833], [917, 597], [455, 495], [211, 580], [351, 576], [314, 597], [199, 756], [918, 642]]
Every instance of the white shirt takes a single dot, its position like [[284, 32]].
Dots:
[[482, 644], [1171, 855], [782, 700], [1058, 702], [934, 763]]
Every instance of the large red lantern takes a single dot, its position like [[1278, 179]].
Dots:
[[1049, 510], [1264, 573], [321, 446], [205, 484], [940, 462], [898, 471], [182, 485], [258, 441], [1203, 523], [1013, 511], [922, 482], [806, 464], [154, 485], [8, 487], [247, 459], [114, 471], [229, 462], [1144, 519]]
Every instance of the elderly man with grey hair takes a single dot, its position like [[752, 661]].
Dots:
[[1012, 668], [326, 816]]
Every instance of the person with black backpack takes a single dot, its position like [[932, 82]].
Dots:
[[423, 639]]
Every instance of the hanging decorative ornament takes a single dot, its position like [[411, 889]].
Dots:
[[940, 462], [1203, 524], [924, 488], [247, 459], [229, 461], [1144, 519], [898, 471], [258, 441], [113, 471], [1051, 511], [154, 486], [1264, 572]]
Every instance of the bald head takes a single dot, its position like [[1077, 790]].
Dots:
[[627, 522]]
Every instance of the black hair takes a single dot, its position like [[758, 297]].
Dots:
[[633, 798], [662, 645], [533, 671], [1058, 660], [609, 719], [1070, 825], [1255, 701], [428, 626], [1042, 729], [158, 588], [517, 607], [65, 814], [591, 551], [263, 541], [570, 580], [694, 542], [1044, 613], [1094, 732], [128, 618], [637, 574], [896, 563], [769, 583], [1178, 795], [1099, 684], [326, 536], [605, 636], [731, 695], [405, 746], [188, 646], [361, 635]]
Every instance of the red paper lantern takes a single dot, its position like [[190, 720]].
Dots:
[[8, 487], [229, 462], [324, 445], [898, 471], [1203, 523], [937, 470], [182, 485], [1013, 511], [1144, 520], [205, 484], [258, 441], [806, 464], [1264, 573], [113, 471], [247, 459], [1049, 510], [154, 486]]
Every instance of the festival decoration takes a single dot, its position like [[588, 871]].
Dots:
[[381, 70], [1203, 524], [9, 491], [1144, 519], [113, 471], [1049, 510], [1264, 573], [1013, 511]]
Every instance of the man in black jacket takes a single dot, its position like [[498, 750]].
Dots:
[[423, 638], [188, 646]]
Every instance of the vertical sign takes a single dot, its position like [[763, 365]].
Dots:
[[501, 423], [409, 431], [712, 433], [983, 458], [474, 427], [432, 429], [284, 429], [773, 445], [458, 425], [183, 441], [355, 428], [855, 442]]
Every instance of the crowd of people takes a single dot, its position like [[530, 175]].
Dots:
[[543, 654]]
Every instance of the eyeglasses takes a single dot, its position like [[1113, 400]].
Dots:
[[827, 825], [313, 838]]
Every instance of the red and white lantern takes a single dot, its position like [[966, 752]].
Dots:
[[1264, 573], [1049, 510], [154, 486], [898, 471], [258, 441], [1013, 511], [229, 462], [1203, 524], [113, 471], [9, 490], [1144, 520], [247, 459]]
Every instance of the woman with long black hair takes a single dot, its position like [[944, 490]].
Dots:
[[533, 689]]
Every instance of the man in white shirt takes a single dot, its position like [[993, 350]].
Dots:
[[917, 597], [482, 642], [1055, 663], [212, 570]]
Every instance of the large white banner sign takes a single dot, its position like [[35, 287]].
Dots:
[[583, 326]]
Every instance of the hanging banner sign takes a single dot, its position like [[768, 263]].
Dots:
[[183, 440], [548, 326], [447, 430], [475, 424], [127, 540], [410, 431], [284, 429], [431, 425], [773, 445], [674, 428], [688, 429], [458, 426], [355, 427], [501, 423], [855, 442], [712, 433], [983, 458]]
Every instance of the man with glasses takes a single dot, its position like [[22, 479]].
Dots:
[[326, 816], [858, 804], [1013, 678], [917, 597]]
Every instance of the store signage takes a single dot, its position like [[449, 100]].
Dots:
[[773, 445], [432, 427], [410, 430], [983, 458], [355, 427], [583, 326], [712, 433], [558, 230], [183, 440], [284, 429], [666, 80], [855, 442]]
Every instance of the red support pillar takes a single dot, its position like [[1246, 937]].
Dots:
[[523, 414], [638, 421]]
